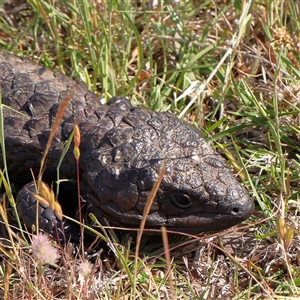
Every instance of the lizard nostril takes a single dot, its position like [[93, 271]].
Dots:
[[235, 210]]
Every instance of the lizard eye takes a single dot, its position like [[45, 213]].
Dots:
[[181, 200]]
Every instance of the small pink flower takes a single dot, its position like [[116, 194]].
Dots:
[[43, 251], [84, 270]]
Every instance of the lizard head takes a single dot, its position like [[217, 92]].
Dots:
[[197, 193]]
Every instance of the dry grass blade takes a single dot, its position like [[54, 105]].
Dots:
[[58, 118], [12, 202], [76, 152], [168, 260], [144, 219]]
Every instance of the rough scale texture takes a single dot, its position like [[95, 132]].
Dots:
[[123, 149]]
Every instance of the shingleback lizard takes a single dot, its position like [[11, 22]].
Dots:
[[123, 149]]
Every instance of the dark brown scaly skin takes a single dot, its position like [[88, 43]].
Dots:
[[123, 148]]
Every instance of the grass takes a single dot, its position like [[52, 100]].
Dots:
[[229, 68]]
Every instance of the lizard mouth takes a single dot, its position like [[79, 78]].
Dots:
[[229, 216], [197, 222], [211, 222]]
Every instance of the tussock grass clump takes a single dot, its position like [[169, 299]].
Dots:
[[230, 68]]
